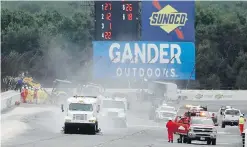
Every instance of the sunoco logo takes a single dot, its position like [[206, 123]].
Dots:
[[168, 19], [218, 96], [198, 96]]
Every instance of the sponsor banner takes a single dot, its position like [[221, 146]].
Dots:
[[215, 94], [171, 21], [142, 59]]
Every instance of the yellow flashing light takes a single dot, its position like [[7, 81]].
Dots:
[[202, 114], [188, 106]]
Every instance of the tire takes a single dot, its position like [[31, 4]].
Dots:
[[208, 141], [188, 141], [213, 141], [223, 125]]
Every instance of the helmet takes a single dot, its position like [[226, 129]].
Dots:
[[170, 118], [242, 115]]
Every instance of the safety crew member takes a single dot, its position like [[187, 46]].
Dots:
[[35, 95], [241, 123], [23, 95], [170, 125]]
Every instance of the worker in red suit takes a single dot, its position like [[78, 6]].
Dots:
[[23, 95], [170, 125]]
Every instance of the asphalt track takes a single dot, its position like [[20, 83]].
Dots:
[[40, 126]]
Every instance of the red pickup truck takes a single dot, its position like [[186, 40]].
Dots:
[[195, 128]]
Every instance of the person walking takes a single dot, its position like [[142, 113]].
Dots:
[[170, 129], [241, 123]]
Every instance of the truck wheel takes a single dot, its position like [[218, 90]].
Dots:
[[188, 141], [223, 125], [66, 129], [213, 141], [208, 141]]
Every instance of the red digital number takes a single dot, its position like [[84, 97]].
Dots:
[[107, 35], [130, 16], [128, 7], [108, 16], [107, 6]]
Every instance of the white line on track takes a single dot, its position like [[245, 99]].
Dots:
[[146, 126]]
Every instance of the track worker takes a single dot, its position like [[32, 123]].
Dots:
[[23, 95], [241, 123], [170, 129], [35, 96]]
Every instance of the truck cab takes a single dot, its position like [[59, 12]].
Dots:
[[81, 114], [202, 129], [113, 110]]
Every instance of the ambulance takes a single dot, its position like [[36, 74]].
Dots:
[[81, 114]]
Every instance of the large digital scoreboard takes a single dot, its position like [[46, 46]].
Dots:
[[116, 20]]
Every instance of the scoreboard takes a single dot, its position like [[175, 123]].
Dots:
[[116, 20]]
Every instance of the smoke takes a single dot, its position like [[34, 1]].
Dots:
[[64, 60]]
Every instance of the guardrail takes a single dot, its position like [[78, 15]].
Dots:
[[8, 99], [244, 138]]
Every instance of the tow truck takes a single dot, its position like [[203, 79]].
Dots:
[[195, 126], [81, 114]]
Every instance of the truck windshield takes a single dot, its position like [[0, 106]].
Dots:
[[113, 104], [202, 121], [80, 107], [232, 112]]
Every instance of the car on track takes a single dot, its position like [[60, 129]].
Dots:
[[113, 110], [164, 112], [230, 117], [81, 114]]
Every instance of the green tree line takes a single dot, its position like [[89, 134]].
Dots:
[[53, 40]]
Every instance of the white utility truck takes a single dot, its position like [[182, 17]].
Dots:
[[81, 114], [114, 110], [163, 91]]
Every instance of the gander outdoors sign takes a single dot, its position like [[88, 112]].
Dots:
[[171, 21], [153, 60]]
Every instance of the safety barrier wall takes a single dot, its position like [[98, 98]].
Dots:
[[8, 99], [197, 94], [215, 94]]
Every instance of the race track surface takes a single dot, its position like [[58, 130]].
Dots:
[[40, 126]]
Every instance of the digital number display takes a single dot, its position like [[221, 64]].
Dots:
[[116, 20]]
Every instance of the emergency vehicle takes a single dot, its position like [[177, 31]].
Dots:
[[81, 114], [113, 110], [192, 126]]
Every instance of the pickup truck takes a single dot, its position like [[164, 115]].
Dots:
[[196, 128]]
